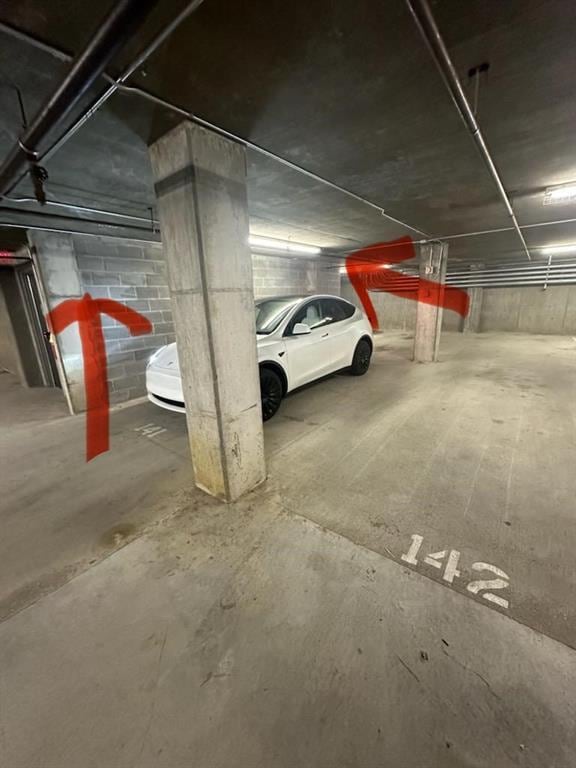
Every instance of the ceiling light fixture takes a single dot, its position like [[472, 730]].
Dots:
[[566, 193], [282, 245], [557, 250]]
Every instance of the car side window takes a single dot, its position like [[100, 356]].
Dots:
[[332, 311], [346, 308], [310, 314]]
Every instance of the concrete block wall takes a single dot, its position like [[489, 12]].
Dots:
[[134, 274], [285, 275]]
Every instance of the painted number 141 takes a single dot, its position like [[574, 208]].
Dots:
[[451, 572]]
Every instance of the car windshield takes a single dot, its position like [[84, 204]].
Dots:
[[271, 312]]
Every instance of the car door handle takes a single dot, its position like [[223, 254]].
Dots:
[[324, 335]]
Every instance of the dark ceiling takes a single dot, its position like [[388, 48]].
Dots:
[[347, 90]]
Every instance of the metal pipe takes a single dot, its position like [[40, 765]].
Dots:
[[512, 272], [128, 72], [511, 284], [67, 231], [537, 276], [82, 209], [18, 34], [426, 23], [110, 38]]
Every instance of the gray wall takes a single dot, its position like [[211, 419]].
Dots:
[[530, 310], [285, 275]]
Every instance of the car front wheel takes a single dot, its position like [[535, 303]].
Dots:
[[361, 359], [270, 392]]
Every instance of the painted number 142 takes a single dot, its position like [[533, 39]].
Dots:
[[451, 572]]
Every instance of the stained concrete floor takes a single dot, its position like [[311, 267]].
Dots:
[[147, 625]]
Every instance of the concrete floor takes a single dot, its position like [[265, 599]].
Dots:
[[145, 624]]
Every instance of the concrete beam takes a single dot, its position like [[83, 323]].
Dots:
[[433, 258], [203, 209]]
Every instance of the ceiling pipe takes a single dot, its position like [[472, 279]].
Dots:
[[426, 23], [83, 209], [128, 72], [68, 231], [109, 39], [122, 88]]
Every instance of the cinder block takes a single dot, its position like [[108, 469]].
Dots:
[[116, 372], [90, 263], [156, 279], [132, 278], [134, 381], [140, 305], [98, 292], [120, 357], [128, 265], [126, 251], [147, 292], [119, 397], [123, 292], [104, 278], [163, 327], [94, 246], [160, 304]]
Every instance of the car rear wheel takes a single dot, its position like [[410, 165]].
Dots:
[[361, 359], [270, 392]]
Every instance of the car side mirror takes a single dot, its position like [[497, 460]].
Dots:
[[300, 329]]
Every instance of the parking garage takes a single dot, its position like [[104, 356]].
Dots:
[[381, 573]]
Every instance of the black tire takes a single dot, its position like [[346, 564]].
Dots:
[[270, 392], [361, 359]]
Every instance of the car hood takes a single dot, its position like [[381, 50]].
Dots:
[[167, 357]]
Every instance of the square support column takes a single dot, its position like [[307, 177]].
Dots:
[[429, 311], [202, 204]]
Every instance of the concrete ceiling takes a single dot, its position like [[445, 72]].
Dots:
[[347, 90]]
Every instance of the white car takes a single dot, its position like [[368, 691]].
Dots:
[[299, 339]]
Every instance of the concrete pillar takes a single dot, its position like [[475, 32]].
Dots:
[[429, 316], [471, 323], [202, 204]]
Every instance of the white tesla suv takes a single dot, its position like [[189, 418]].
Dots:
[[299, 339]]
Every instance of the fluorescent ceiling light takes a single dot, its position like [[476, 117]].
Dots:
[[282, 245], [566, 193], [557, 250]]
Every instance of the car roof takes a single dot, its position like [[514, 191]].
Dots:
[[300, 297]]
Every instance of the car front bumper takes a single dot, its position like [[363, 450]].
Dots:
[[164, 389]]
